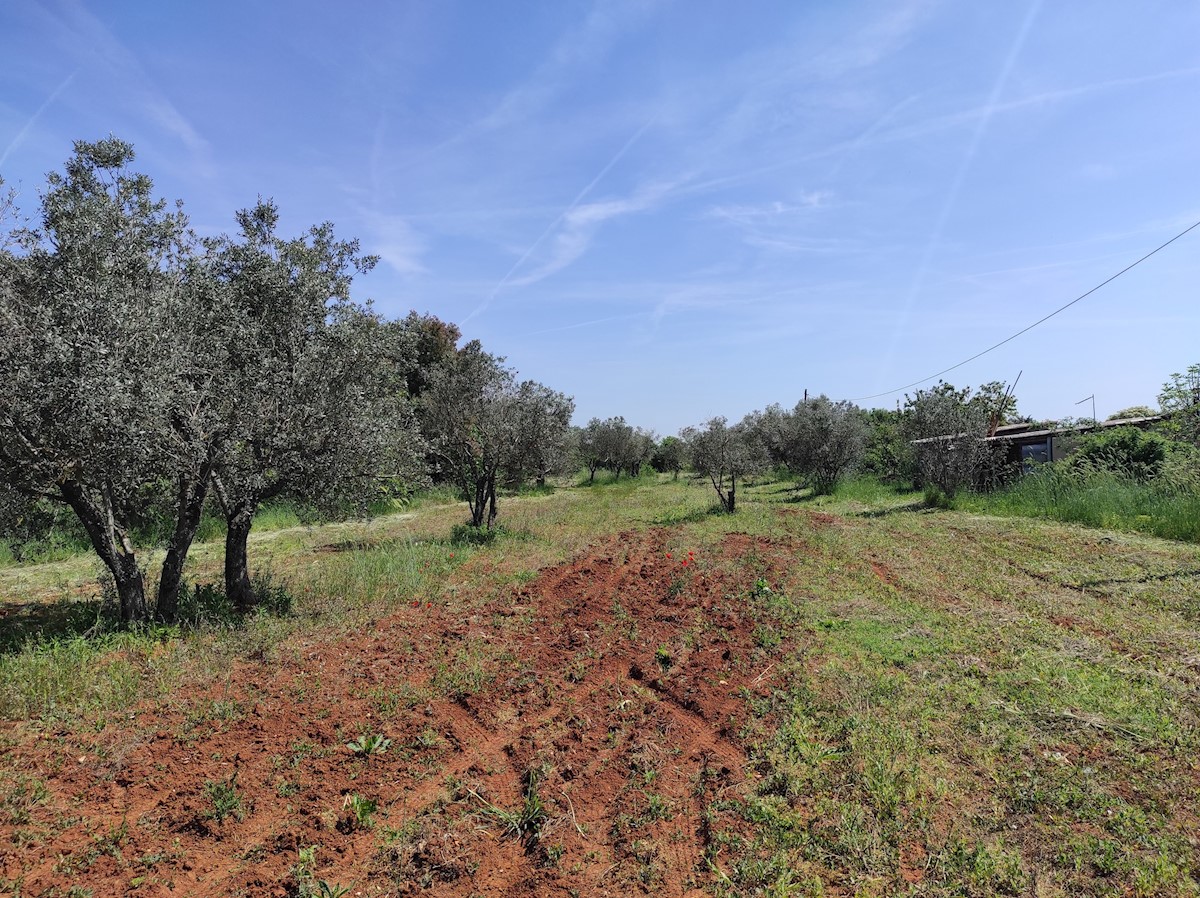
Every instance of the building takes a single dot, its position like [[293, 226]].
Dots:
[[1030, 443]]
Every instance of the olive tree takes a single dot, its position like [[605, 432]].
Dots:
[[541, 433], [669, 456], [772, 432], [948, 428], [611, 444], [589, 447], [102, 388], [315, 408], [432, 345], [723, 454], [468, 415], [639, 449], [825, 441]]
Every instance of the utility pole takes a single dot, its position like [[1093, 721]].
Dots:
[[1095, 423]]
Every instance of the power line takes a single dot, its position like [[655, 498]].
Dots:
[[1024, 330]]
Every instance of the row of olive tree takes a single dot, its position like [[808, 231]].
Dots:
[[615, 446], [819, 441], [938, 438], [146, 366], [152, 374]]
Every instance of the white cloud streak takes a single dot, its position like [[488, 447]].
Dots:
[[86, 35], [24, 132], [395, 241], [579, 198]]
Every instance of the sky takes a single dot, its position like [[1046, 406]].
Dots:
[[675, 210]]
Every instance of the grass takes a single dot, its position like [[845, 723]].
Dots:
[[1096, 499], [961, 704]]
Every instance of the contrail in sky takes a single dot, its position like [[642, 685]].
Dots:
[[16, 141], [935, 238], [562, 215]]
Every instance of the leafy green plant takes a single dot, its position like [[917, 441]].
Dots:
[[308, 885], [428, 738], [526, 822], [323, 889], [663, 656], [361, 810], [372, 744], [225, 798], [1135, 453]]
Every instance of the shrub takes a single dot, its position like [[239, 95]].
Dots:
[[472, 535], [1135, 453]]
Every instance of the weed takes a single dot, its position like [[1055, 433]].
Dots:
[[306, 861], [657, 807], [225, 799], [526, 822], [286, 788], [361, 811], [466, 535], [322, 889], [663, 656], [428, 738], [367, 745]]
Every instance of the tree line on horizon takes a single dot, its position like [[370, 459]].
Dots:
[[154, 376]]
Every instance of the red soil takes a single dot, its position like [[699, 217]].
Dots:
[[620, 679]]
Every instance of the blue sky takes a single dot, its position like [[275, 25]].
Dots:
[[680, 209]]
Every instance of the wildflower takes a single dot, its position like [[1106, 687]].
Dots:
[[668, 555], [429, 604]]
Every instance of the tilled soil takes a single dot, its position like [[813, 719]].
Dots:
[[578, 735]]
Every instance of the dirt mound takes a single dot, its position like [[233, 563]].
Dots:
[[573, 737]]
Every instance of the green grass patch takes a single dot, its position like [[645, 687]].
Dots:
[[1094, 499]]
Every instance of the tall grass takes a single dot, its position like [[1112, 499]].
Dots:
[[1096, 498]]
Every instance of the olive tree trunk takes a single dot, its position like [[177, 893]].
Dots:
[[238, 588], [111, 542], [188, 510]]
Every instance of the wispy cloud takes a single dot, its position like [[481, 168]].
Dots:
[[557, 222], [394, 240], [33, 119], [86, 35], [580, 47], [751, 214], [589, 323], [885, 130], [580, 223], [784, 227], [900, 329], [880, 38]]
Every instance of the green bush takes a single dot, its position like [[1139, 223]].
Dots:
[[468, 535], [1134, 453]]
